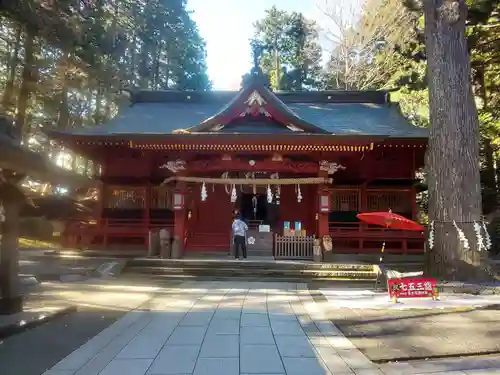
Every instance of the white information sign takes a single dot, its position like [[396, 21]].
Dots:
[[264, 228]]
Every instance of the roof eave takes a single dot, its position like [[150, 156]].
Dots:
[[271, 99]]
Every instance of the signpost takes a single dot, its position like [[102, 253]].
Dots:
[[412, 288]]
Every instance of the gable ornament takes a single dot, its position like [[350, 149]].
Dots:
[[330, 167], [255, 105], [255, 98], [174, 165]]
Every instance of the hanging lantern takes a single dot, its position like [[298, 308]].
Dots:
[[299, 194], [203, 192], [269, 194], [178, 203], [234, 197]]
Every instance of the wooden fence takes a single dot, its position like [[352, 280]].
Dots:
[[293, 247]]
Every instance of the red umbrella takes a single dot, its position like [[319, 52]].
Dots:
[[390, 220]]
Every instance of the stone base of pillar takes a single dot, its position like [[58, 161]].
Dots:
[[12, 305], [165, 249], [153, 244], [317, 253], [177, 250]]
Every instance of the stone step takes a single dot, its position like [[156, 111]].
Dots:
[[241, 272], [223, 254], [324, 281], [247, 264], [267, 268]]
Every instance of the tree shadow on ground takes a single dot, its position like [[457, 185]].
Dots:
[[398, 334]]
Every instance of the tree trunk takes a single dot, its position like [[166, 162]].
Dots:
[[98, 104], [63, 116], [453, 150], [29, 79], [156, 76], [133, 61], [277, 65], [11, 300], [488, 173], [145, 54], [63, 111], [8, 101], [489, 178], [108, 107]]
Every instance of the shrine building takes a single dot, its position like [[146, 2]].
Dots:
[[293, 164]]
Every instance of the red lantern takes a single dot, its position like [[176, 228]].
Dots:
[[324, 202], [178, 203]]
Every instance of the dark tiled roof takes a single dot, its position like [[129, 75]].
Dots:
[[358, 118], [153, 118], [337, 113]]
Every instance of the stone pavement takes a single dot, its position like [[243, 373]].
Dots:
[[233, 328]]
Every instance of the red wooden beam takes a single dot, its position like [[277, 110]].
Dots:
[[237, 164]]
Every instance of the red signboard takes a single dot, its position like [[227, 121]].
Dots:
[[412, 288]]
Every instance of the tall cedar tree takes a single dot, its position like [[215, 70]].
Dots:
[[453, 150]]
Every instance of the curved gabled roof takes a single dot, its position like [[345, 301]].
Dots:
[[259, 98], [255, 110]]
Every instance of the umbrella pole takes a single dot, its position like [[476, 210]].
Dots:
[[380, 262], [381, 259]]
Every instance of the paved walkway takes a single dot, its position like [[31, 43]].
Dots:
[[223, 328]]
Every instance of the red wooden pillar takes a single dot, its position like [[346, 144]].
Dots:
[[102, 222], [179, 211], [322, 207], [363, 204], [363, 207], [414, 205], [147, 204]]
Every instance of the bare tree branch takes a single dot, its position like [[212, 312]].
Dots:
[[364, 36]]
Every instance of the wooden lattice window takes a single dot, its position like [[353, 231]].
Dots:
[[345, 200], [161, 198], [125, 198], [397, 201]]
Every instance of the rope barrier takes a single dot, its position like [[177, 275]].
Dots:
[[256, 181], [457, 222]]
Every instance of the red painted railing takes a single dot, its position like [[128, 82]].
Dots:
[[79, 233], [356, 237]]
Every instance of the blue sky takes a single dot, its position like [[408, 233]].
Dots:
[[226, 26]]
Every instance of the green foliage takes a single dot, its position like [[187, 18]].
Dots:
[[414, 105], [483, 27], [63, 63], [289, 52]]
